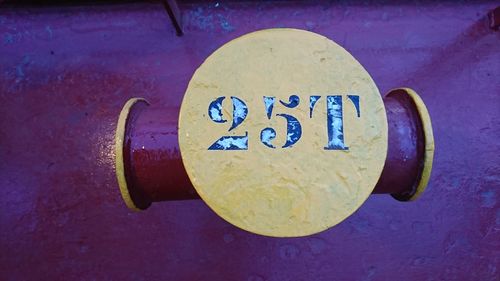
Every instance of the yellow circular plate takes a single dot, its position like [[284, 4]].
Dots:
[[263, 85]]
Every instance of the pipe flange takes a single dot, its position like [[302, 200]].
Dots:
[[120, 168], [419, 106]]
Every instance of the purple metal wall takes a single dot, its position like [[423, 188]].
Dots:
[[66, 71]]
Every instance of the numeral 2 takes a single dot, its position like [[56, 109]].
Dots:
[[240, 112]]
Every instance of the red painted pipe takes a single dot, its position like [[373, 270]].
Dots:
[[406, 157], [153, 168], [152, 159]]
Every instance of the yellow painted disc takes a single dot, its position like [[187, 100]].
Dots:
[[270, 135]]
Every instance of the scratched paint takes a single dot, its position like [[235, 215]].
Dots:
[[215, 110], [61, 213], [293, 101], [312, 102], [240, 112], [293, 130], [269, 104], [279, 197], [335, 123], [230, 143], [267, 136]]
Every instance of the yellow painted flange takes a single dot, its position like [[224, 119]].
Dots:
[[119, 161], [301, 189], [425, 120]]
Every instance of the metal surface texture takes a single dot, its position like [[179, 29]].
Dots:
[[150, 169], [494, 17], [148, 160], [65, 73], [270, 139], [311, 183]]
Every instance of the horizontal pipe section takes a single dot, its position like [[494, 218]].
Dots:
[[152, 159], [154, 171]]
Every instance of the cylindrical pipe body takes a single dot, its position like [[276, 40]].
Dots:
[[154, 170], [405, 154]]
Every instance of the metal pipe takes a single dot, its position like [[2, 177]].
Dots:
[[149, 164], [411, 146]]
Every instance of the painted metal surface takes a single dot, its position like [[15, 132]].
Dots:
[[313, 172], [494, 17], [67, 71], [175, 15], [410, 155], [149, 166]]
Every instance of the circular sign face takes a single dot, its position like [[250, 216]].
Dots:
[[283, 133]]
